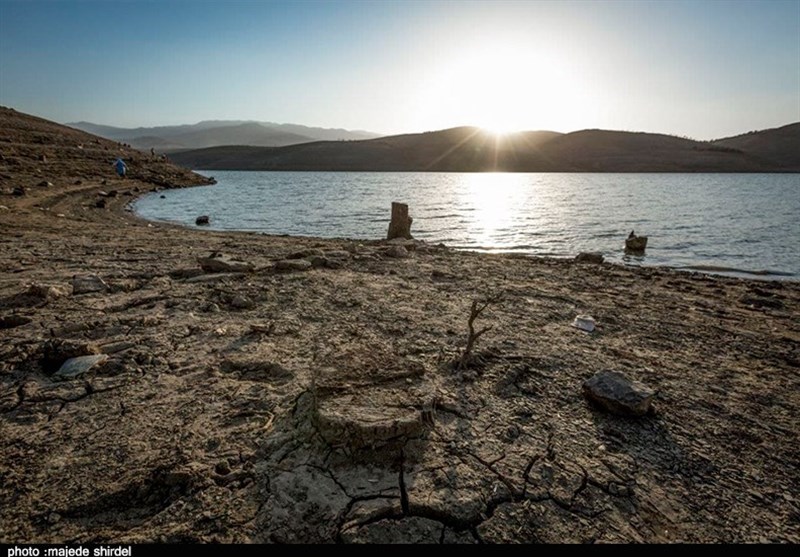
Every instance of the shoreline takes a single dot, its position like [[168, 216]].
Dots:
[[311, 398]]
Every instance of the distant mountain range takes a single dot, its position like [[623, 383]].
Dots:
[[468, 149], [212, 133]]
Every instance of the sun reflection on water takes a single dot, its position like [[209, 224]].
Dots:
[[494, 200]]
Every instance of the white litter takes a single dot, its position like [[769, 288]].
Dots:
[[584, 323]]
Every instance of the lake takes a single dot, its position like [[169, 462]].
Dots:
[[740, 224]]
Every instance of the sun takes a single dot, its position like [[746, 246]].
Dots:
[[503, 88]]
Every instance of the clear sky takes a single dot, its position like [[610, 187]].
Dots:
[[703, 69]]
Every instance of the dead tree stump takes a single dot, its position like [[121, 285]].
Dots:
[[400, 226]]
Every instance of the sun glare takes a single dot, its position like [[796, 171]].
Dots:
[[504, 88]]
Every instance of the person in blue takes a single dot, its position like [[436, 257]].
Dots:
[[121, 168]]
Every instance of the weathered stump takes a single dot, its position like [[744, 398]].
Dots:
[[400, 226]]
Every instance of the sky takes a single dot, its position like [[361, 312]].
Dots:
[[700, 69]]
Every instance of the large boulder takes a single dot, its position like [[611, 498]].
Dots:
[[615, 393]]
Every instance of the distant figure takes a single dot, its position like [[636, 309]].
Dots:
[[121, 168]]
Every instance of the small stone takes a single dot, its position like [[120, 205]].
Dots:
[[202, 220], [293, 265], [75, 367], [319, 261], [84, 284], [45, 291], [337, 254], [100, 203], [305, 254], [45, 184], [397, 252], [13, 320], [242, 302], [615, 393], [218, 263], [589, 257], [57, 351], [18, 191]]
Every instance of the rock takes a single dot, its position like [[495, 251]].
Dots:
[[112, 193], [615, 393], [57, 351], [100, 203], [75, 367], [319, 261], [397, 252], [45, 184], [337, 254], [164, 197], [84, 284], [293, 265], [202, 220], [305, 254], [45, 291], [242, 302], [102, 193], [13, 320], [589, 257], [18, 191], [218, 263], [635, 244]]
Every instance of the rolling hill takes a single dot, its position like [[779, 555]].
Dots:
[[210, 133], [468, 149]]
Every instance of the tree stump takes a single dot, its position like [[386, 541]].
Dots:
[[400, 226]]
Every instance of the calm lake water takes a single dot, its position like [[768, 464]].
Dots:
[[742, 223]]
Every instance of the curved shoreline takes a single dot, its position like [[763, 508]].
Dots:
[[312, 399]]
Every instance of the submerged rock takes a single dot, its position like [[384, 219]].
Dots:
[[615, 393], [202, 220]]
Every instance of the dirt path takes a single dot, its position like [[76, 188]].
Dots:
[[316, 401]]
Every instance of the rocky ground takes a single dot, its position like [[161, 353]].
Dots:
[[313, 397]]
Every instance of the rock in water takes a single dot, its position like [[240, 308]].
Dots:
[[218, 263], [202, 220], [615, 393], [84, 284], [75, 367]]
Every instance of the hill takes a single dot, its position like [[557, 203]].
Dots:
[[468, 149], [210, 133], [781, 146]]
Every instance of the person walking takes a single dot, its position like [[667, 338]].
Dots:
[[121, 167]]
